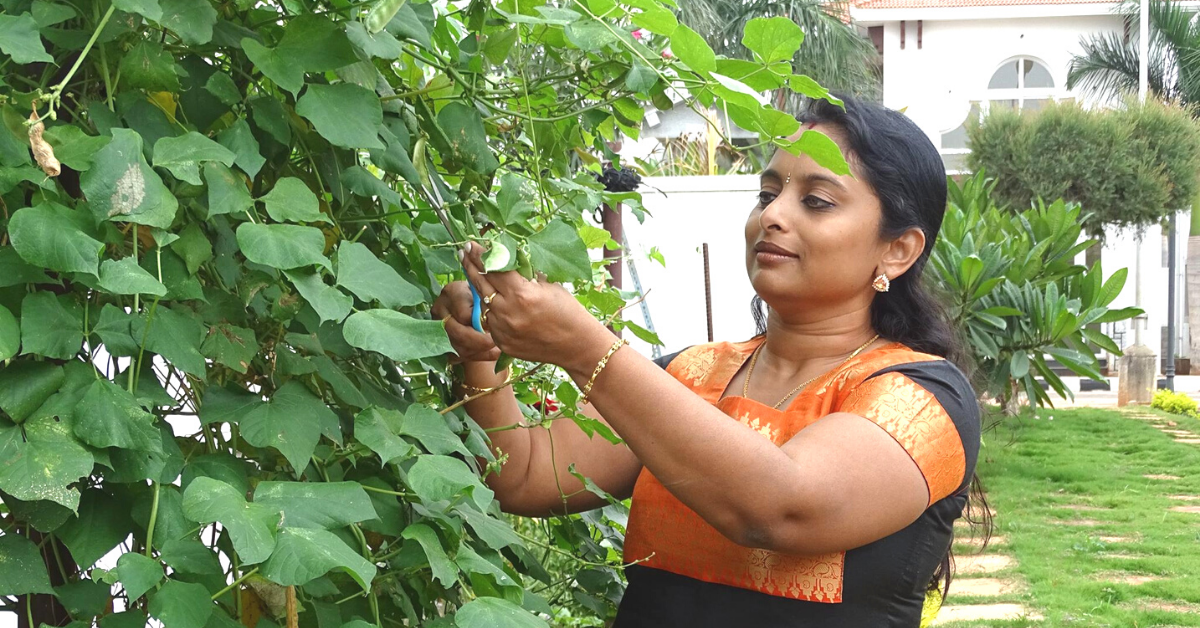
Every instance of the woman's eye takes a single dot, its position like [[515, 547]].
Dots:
[[816, 202], [765, 198]]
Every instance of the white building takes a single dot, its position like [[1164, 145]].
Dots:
[[943, 61]]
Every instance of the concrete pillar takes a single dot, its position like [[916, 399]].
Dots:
[[1137, 370]]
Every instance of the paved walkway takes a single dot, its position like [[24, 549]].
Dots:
[[1189, 384]]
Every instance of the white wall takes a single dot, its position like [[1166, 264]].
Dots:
[[957, 58], [687, 212]]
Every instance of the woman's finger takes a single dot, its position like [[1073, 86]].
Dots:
[[466, 341], [474, 271], [503, 283]]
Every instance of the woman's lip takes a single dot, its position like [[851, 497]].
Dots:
[[772, 258]]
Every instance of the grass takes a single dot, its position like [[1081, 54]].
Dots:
[[1033, 467]]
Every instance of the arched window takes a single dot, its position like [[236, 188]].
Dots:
[[1021, 83]]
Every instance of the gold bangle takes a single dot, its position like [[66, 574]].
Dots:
[[587, 389], [475, 390]]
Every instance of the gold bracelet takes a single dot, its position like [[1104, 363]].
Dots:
[[475, 390], [587, 389]]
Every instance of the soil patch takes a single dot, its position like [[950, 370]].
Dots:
[[1121, 577], [1075, 522], [982, 564], [1187, 509], [983, 587], [1160, 476]]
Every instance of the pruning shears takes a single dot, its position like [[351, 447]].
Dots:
[[435, 199]]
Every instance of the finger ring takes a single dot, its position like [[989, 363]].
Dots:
[[483, 318], [488, 299]]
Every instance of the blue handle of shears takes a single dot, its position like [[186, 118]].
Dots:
[[476, 309]]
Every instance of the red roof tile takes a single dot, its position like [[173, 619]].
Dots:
[[948, 4]]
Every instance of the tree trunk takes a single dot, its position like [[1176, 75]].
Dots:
[[1193, 284]]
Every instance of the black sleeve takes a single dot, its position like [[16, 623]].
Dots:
[[957, 397], [666, 359]]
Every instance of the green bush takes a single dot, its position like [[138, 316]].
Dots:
[[1126, 168], [1175, 403], [243, 239], [1012, 284]]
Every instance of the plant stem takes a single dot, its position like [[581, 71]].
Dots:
[[235, 583], [56, 92], [136, 304], [153, 521], [387, 492]]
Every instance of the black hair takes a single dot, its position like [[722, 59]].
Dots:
[[905, 171]]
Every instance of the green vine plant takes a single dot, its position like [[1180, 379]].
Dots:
[[224, 401]]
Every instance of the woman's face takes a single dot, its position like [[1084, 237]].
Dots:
[[812, 242]]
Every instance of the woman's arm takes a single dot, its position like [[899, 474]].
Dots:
[[537, 474], [840, 483]]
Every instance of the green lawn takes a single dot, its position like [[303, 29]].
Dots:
[[1033, 468]]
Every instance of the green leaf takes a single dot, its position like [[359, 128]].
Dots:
[[395, 335], [290, 422], [102, 523], [181, 604], [329, 302], [494, 612], [24, 570], [121, 186], [1019, 366], [282, 246], [656, 19], [347, 115], [19, 39], [291, 201], [51, 326], [10, 335], [773, 38], [468, 139], [429, 427], [325, 505], [364, 184], [218, 466], [378, 429], [26, 385], [147, 66], [227, 193], [145, 8], [226, 405], [823, 150], [138, 574], [183, 155], [691, 49], [109, 416], [240, 139], [190, 556], [472, 563], [590, 35], [303, 554], [85, 598], [441, 478], [175, 336], [193, 246], [1112, 287], [497, 533], [49, 13], [641, 78], [192, 21], [360, 272], [559, 252], [42, 462], [381, 45], [275, 64], [230, 345], [444, 571], [251, 526], [223, 87], [802, 84], [124, 276], [50, 236]]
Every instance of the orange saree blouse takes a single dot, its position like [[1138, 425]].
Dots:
[[880, 385]]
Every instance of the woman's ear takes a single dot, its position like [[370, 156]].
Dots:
[[902, 253]]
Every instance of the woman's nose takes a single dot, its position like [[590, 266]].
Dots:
[[771, 218]]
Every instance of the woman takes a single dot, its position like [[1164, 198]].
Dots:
[[807, 477]]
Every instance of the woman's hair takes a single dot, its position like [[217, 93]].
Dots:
[[901, 165]]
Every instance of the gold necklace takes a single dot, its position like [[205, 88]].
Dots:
[[754, 360]]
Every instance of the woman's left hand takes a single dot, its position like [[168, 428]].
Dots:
[[537, 321]]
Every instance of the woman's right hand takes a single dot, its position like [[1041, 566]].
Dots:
[[454, 306]]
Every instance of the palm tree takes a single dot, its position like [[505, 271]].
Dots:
[[1108, 68], [834, 53]]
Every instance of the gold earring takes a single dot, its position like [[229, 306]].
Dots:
[[882, 283]]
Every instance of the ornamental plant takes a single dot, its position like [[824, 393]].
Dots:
[[223, 399], [1013, 286]]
